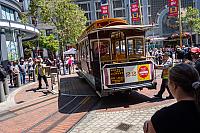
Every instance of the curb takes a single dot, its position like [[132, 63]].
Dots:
[[10, 101]]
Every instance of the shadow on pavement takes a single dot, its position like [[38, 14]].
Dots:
[[74, 91]]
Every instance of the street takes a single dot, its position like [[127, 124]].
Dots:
[[78, 109]]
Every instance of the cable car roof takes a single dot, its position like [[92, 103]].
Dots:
[[126, 27]]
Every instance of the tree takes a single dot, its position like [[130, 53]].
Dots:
[[28, 47], [192, 19], [66, 16], [50, 43]]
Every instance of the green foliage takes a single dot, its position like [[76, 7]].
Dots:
[[49, 42], [66, 16], [28, 47], [192, 19], [23, 17]]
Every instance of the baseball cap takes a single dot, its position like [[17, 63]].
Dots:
[[195, 50]]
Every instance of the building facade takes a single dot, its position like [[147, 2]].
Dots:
[[12, 31], [153, 12]]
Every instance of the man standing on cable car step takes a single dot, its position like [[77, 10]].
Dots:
[[165, 66]]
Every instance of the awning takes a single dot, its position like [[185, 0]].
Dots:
[[155, 38], [70, 51]]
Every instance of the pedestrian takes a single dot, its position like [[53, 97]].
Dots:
[[70, 61], [57, 63], [22, 70], [3, 73], [31, 67], [194, 51], [165, 66], [184, 115], [10, 68], [15, 73], [40, 72]]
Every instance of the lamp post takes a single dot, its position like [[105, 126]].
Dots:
[[180, 23]]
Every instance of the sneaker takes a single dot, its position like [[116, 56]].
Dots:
[[158, 96]]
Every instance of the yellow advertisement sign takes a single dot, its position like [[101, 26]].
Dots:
[[144, 72]]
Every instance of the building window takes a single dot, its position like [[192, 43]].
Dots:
[[98, 5], [98, 10], [8, 13], [88, 16], [117, 3], [86, 7], [119, 8], [119, 13]]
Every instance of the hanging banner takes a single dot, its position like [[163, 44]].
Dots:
[[135, 10], [105, 8], [173, 8]]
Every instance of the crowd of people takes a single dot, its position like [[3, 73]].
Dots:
[[182, 82], [178, 54], [25, 68]]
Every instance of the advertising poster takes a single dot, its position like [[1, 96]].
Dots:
[[117, 75], [173, 8], [128, 74]]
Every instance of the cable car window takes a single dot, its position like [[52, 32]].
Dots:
[[139, 46], [135, 47], [118, 46], [104, 46]]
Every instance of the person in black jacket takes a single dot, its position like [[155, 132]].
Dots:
[[3, 73], [184, 115]]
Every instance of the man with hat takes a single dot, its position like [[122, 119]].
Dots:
[[40, 72], [165, 66]]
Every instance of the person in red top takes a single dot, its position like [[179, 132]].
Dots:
[[69, 62]]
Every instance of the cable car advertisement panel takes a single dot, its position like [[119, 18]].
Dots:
[[128, 74]]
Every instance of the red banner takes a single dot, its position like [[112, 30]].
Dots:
[[105, 8], [135, 12], [173, 8]]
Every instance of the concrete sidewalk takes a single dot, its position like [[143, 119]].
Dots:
[[27, 93]]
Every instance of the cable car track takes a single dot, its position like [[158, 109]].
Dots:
[[55, 118]]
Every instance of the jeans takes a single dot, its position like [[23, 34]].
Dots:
[[23, 77]]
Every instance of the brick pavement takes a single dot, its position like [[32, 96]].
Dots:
[[25, 93]]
